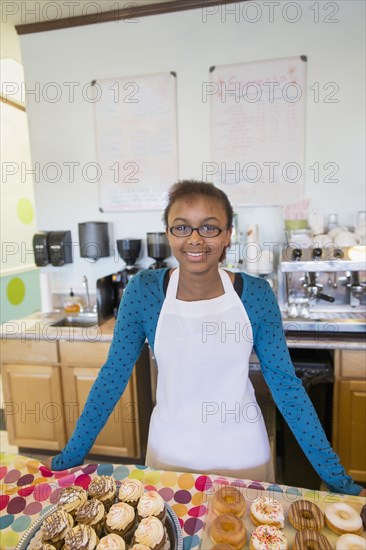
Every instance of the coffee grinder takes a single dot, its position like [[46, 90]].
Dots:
[[129, 250], [158, 248]]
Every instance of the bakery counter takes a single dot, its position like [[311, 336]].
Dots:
[[29, 490]]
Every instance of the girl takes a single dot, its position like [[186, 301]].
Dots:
[[202, 323]]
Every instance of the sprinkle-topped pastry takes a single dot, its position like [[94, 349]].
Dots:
[[151, 504], [268, 537], [71, 498], [56, 526], [81, 537], [111, 542], [104, 489], [267, 510], [151, 533], [92, 513], [121, 520], [130, 491]]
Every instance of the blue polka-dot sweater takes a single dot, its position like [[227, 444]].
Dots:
[[137, 320]]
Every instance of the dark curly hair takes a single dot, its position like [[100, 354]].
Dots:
[[186, 188]]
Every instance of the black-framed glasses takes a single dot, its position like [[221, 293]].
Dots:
[[203, 231]]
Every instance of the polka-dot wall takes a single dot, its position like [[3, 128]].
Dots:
[[15, 291], [25, 211]]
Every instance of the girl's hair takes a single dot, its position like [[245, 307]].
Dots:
[[186, 188]]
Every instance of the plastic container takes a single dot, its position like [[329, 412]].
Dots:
[[72, 303]]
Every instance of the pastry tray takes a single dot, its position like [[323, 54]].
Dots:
[[321, 499], [32, 536]]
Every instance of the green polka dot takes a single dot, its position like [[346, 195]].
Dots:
[[25, 211], [137, 474], [9, 539], [152, 477], [21, 524], [15, 291]]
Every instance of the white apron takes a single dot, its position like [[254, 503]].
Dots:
[[206, 417]]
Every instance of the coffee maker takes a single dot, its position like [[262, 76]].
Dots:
[[158, 248], [129, 250]]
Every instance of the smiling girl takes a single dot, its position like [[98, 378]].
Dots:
[[202, 323]]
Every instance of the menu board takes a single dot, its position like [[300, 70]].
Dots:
[[136, 141], [257, 113]]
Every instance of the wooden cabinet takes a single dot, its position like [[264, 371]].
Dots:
[[349, 437], [80, 366], [33, 402]]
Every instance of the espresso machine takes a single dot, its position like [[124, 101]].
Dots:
[[324, 288], [158, 248]]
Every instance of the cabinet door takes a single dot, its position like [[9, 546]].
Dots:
[[119, 436], [33, 406], [351, 429]]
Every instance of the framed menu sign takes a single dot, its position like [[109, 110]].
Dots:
[[136, 140], [257, 113]]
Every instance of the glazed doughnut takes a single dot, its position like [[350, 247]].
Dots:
[[342, 518], [228, 529], [351, 542], [223, 546], [228, 500], [304, 514], [268, 511], [308, 539], [363, 515], [268, 536]]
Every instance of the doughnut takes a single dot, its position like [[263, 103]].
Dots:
[[228, 500], [363, 516], [223, 546], [351, 542], [267, 510], [304, 514], [342, 518], [228, 529], [268, 537], [308, 539]]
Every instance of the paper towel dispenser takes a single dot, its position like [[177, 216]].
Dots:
[[60, 248], [40, 248], [94, 240]]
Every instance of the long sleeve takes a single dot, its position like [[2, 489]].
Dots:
[[291, 398], [128, 339]]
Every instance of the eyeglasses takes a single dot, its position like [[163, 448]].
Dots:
[[203, 231]]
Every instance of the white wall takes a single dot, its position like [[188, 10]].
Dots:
[[63, 131]]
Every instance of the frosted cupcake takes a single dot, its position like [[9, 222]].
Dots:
[[112, 542], [92, 513], [44, 546], [150, 532], [81, 537], [151, 504], [55, 528], [130, 491], [137, 546], [104, 489], [121, 520], [71, 498]]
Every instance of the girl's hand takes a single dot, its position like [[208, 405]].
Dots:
[[48, 463], [363, 493]]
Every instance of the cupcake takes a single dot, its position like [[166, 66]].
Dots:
[[104, 489], [137, 546], [121, 520], [44, 546], [55, 527], [150, 532], [81, 537], [92, 513], [71, 498], [130, 491], [151, 504], [112, 542]]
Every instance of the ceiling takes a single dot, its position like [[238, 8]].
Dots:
[[22, 12]]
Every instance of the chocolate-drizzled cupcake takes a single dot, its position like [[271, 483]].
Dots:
[[44, 546], [92, 513], [112, 542], [151, 533], [104, 489], [55, 527], [71, 498], [151, 504], [121, 520], [130, 491], [81, 537]]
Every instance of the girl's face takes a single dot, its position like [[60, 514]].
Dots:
[[197, 253]]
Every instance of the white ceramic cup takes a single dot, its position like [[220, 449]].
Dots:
[[322, 240], [346, 238], [360, 231], [338, 229]]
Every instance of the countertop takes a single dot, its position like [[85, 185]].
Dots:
[[38, 326], [29, 489]]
